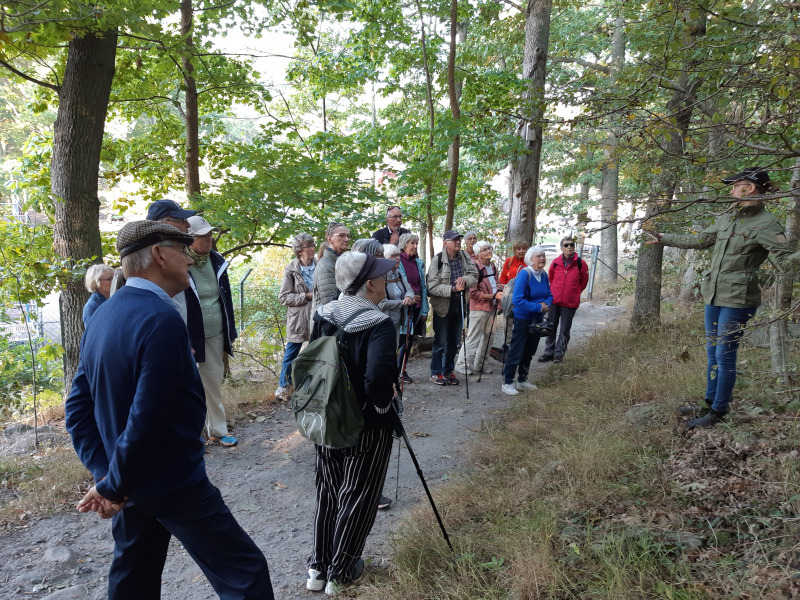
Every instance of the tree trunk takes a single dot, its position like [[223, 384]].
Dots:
[[77, 140], [524, 176], [192, 147], [455, 109], [609, 190]]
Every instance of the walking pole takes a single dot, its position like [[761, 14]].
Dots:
[[489, 340], [402, 431], [406, 346], [464, 344], [505, 340]]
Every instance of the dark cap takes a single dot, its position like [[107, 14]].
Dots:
[[372, 268], [140, 234], [757, 175], [451, 234], [167, 208]]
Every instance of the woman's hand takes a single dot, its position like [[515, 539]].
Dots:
[[545, 307], [407, 301]]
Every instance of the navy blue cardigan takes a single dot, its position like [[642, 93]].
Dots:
[[137, 407]]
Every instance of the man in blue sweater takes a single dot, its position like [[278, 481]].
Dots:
[[135, 413]]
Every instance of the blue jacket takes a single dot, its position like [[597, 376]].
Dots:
[[423, 309], [137, 407], [92, 304], [194, 315], [529, 294]]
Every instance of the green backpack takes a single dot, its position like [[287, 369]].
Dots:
[[325, 404]]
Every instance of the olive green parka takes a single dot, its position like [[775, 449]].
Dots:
[[742, 240]]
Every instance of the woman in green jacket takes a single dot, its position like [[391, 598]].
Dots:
[[742, 238]]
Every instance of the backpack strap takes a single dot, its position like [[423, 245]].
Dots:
[[340, 328]]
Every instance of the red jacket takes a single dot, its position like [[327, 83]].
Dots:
[[566, 284], [510, 269]]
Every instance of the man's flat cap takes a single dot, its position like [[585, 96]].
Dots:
[[140, 234]]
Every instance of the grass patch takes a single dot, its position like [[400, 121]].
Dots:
[[590, 487]]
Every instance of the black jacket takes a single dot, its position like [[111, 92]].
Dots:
[[384, 235], [372, 365], [194, 315]]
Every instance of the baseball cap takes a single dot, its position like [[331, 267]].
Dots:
[[140, 234], [451, 234], [167, 208], [757, 175], [199, 226]]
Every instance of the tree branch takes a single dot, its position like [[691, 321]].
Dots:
[[581, 62], [252, 244], [18, 73]]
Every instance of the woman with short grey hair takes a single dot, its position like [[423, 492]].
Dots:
[[399, 295], [470, 238], [349, 481], [531, 301], [413, 269], [295, 293], [369, 246], [337, 237], [98, 284]]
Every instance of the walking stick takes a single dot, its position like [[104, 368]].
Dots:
[[464, 344], [402, 431], [505, 340], [406, 346], [489, 340]]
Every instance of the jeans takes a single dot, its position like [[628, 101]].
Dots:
[[291, 352], [446, 335], [557, 343], [724, 329], [522, 348]]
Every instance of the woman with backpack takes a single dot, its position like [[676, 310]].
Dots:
[[349, 480], [531, 301], [482, 301]]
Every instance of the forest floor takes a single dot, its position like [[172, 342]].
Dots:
[[268, 482]]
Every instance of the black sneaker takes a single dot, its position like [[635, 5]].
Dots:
[[544, 358], [406, 378], [451, 379], [384, 503], [558, 359], [695, 411], [438, 379], [710, 420]]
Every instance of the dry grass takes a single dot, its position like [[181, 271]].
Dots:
[[574, 495]]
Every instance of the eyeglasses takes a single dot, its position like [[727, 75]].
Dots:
[[308, 247], [174, 220], [342, 235], [183, 249], [106, 278], [568, 245], [395, 216]]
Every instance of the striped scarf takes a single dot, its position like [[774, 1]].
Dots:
[[339, 310]]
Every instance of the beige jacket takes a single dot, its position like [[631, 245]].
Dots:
[[293, 294], [438, 280]]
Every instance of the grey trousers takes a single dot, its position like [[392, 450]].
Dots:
[[557, 343]]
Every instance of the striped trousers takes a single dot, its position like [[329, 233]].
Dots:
[[349, 483]]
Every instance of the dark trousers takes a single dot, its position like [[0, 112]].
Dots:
[[521, 350], [233, 564], [557, 343], [446, 337], [402, 350], [349, 483]]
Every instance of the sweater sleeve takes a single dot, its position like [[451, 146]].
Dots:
[[82, 426], [158, 384]]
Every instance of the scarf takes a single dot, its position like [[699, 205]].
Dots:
[[338, 311], [199, 259]]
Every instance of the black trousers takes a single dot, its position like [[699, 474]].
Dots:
[[233, 564], [349, 483], [557, 343]]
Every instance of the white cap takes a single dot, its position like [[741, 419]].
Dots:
[[199, 226]]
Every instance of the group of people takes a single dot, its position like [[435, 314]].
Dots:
[[150, 369]]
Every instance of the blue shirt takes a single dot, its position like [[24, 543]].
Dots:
[[529, 294]]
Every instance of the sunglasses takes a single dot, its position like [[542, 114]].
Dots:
[[568, 245]]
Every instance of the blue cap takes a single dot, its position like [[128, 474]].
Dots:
[[168, 208]]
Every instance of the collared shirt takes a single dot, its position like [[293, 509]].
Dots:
[[456, 268], [308, 275], [145, 284]]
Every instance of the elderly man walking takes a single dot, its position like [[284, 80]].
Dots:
[[450, 275], [210, 320], [135, 414], [569, 276], [392, 232]]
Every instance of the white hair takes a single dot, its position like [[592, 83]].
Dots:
[[389, 250], [136, 262], [480, 246], [406, 239], [348, 266], [93, 275], [469, 233], [533, 251], [300, 240]]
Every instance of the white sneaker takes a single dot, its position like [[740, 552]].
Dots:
[[333, 588], [281, 393], [315, 581], [508, 388], [460, 369], [524, 385]]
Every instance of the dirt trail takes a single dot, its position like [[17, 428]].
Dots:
[[268, 482]]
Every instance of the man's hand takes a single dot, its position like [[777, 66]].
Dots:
[[93, 501], [394, 236], [460, 284]]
